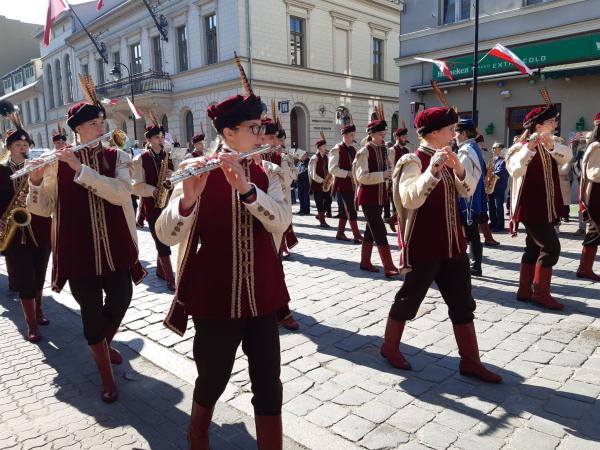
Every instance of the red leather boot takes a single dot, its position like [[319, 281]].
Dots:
[[525, 291], [470, 364], [165, 263], [585, 270], [356, 232], [386, 258], [199, 425], [390, 349], [160, 273], [340, 236], [269, 432], [487, 234], [114, 354], [28, 305], [541, 288], [365, 257], [39, 313], [392, 221]]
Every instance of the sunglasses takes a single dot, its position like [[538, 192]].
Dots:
[[254, 129]]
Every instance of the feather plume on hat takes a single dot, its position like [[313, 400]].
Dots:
[[88, 89], [245, 83]]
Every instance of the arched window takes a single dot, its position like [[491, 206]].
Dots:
[[59, 91], [189, 127], [298, 121], [395, 121], [50, 86], [69, 78], [165, 123]]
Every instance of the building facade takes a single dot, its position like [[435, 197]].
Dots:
[[19, 44], [558, 39], [321, 61]]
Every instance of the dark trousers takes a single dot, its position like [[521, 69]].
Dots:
[[99, 315], [375, 229], [162, 249], [328, 202], [542, 245], [453, 279], [348, 209], [340, 203], [304, 199], [386, 207], [496, 210], [29, 266], [321, 201], [134, 202], [215, 346], [473, 238]]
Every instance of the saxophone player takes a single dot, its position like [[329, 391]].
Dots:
[[88, 194], [496, 198], [28, 251], [148, 169]]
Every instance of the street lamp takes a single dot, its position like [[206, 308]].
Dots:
[[117, 74]]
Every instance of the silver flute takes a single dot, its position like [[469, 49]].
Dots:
[[49, 158], [189, 172]]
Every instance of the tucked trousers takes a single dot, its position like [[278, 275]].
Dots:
[[473, 238], [321, 201], [375, 229], [162, 249], [215, 346], [542, 245], [29, 266], [453, 279], [348, 209], [100, 313]]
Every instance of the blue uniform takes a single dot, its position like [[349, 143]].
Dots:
[[496, 199]]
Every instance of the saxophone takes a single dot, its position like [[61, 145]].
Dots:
[[163, 193], [490, 179], [16, 215]]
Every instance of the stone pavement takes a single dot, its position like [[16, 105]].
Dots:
[[339, 393]]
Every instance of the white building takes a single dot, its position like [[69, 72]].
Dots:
[[320, 60]]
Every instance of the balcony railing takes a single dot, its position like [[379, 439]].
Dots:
[[143, 83]]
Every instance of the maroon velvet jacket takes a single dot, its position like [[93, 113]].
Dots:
[[437, 232], [321, 169], [151, 167], [541, 199], [92, 236], [347, 154], [375, 194], [273, 157], [399, 152], [35, 235], [236, 272]]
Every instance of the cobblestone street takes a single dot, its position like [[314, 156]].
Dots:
[[338, 391]]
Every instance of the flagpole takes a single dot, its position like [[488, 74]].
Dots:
[[101, 52], [474, 114]]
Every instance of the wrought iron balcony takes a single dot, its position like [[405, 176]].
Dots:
[[139, 83]]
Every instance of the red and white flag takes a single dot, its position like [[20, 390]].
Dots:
[[110, 101], [99, 5], [55, 7], [442, 65], [134, 109], [500, 51]]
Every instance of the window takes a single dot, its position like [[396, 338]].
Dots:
[[189, 127], [59, 88], [165, 123], [297, 39], [182, 57], [85, 69], [157, 62], [50, 86], [69, 74], [377, 59], [99, 72], [135, 58], [7, 84], [116, 58], [18, 78], [534, 2], [36, 109], [28, 72], [28, 111], [456, 10], [210, 27], [341, 53]]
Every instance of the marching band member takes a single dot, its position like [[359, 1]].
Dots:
[[28, 251], [59, 140], [590, 199], [318, 168], [536, 201], [198, 141], [372, 172], [233, 284], [147, 168], [397, 151], [427, 185], [340, 166], [303, 182], [88, 194], [496, 198], [474, 207]]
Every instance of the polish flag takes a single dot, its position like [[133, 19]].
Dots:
[[110, 101], [55, 7], [500, 51], [134, 109], [99, 5], [442, 65]]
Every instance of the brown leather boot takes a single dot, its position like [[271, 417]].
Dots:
[[165, 262], [269, 432], [340, 236], [356, 232], [365, 257], [114, 354], [160, 273], [386, 258], [102, 359], [392, 221], [199, 425], [322, 223], [586, 264], [470, 364], [28, 304], [525, 291], [541, 288], [487, 234], [39, 313], [390, 349]]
